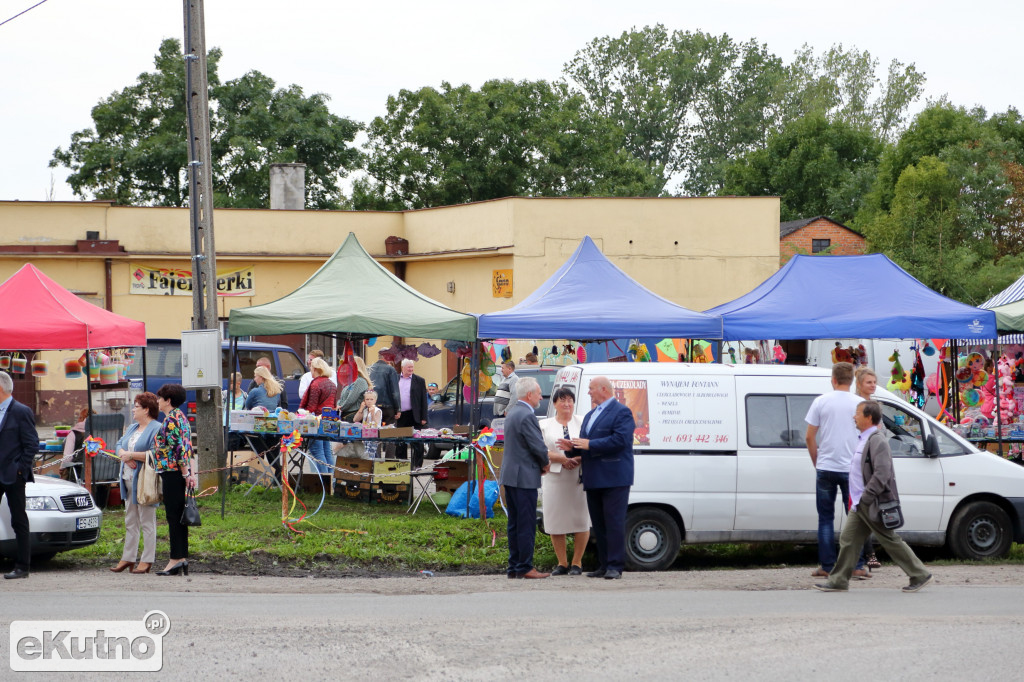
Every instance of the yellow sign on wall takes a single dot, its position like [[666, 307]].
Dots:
[[501, 285], [178, 281]]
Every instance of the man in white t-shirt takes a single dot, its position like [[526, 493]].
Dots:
[[831, 440]]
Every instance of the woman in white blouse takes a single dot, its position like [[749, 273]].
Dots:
[[564, 501]]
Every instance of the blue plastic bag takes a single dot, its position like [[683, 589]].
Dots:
[[457, 507]]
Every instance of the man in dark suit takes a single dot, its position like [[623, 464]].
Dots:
[[385, 382], [606, 447], [413, 401], [524, 462], [19, 443]]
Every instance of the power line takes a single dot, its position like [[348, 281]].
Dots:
[[22, 12]]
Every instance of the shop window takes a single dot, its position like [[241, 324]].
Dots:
[[819, 245]]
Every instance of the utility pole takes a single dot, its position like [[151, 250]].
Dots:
[[209, 430]]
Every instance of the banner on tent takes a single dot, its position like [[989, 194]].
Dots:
[[152, 281]]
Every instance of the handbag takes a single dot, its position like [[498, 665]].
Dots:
[[150, 489], [891, 514], [190, 517]]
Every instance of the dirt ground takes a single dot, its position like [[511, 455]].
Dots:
[[204, 578]]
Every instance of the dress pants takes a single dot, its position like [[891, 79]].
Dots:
[[138, 518], [522, 528], [387, 414], [417, 448], [608, 517], [174, 503], [851, 541], [15, 493]]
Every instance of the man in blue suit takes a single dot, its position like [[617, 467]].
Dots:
[[19, 443], [606, 447], [524, 462]]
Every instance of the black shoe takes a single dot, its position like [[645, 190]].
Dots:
[[612, 574], [576, 570], [515, 576], [914, 585], [16, 573], [180, 567], [560, 570], [599, 573]]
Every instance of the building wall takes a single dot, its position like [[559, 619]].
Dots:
[[844, 242], [698, 252]]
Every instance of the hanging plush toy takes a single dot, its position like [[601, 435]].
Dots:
[[899, 378], [778, 354], [918, 395], [732, 355], [862, 355]]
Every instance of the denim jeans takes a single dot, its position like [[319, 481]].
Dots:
[[321, 451], [827, 485]]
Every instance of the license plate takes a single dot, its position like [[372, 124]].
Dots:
[[87, 522]]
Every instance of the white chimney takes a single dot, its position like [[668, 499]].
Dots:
[[288, 186]]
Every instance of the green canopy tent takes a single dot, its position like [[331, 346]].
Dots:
[[1010, 317], [353, 296]]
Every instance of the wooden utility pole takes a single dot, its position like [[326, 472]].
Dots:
[[209, 430]]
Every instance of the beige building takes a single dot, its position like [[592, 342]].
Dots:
[[697, 252]]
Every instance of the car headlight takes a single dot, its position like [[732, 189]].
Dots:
[[40, 504]]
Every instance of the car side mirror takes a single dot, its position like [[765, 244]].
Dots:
[[931, 446]]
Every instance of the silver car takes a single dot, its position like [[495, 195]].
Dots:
[[61, 516]]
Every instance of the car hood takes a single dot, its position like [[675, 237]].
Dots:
[[48, 485]]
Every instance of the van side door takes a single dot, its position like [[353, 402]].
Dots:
[[775, 483], [919, 478]]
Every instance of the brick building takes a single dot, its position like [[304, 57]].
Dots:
[[817, 235]]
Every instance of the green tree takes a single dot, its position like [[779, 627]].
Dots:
[[456, 145], [685, 101], [136, 153], [815, 166], [843, 86]]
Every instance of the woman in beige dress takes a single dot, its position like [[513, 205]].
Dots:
[[564, 501]]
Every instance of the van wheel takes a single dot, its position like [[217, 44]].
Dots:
[[652, 539], [981, 530]]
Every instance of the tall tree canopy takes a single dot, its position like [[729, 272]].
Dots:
[[689, 102], [136, 154], [457, 144], [948, 201], [815, 166]]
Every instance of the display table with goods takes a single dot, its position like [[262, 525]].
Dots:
[[362, 470]]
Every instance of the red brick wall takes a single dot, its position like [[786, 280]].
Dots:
[[844, 242]]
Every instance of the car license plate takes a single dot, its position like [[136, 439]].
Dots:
[[87, 522]]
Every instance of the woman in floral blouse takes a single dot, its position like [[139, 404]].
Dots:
[[172, 450]]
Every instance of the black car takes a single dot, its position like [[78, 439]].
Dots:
[[442, 412]]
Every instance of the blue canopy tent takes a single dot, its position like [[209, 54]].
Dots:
[[832, 297], [588, 299]]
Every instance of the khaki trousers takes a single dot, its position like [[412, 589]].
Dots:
[[138, 518], [855, 531]]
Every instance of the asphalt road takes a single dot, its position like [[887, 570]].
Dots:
[[663, 626]]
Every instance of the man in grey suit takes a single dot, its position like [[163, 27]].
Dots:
[[525, 461], [19, 443]]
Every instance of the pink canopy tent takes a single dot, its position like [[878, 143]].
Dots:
[[40, 314]]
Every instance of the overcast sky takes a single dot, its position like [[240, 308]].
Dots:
[[60, 58]]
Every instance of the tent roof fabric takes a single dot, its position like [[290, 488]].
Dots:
[[835, 297], [589, 298], [1010, 317], [40, 314], [353, 294]]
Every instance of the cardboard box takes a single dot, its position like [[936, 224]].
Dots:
[[460, 430], [388, 493], [404, 432], [392, 472], [285, 425], [241, 420], [351, 430], [330, 427], [352, 490], [265, 424], [370, 432]]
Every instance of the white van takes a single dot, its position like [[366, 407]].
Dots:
[[720, 457]]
